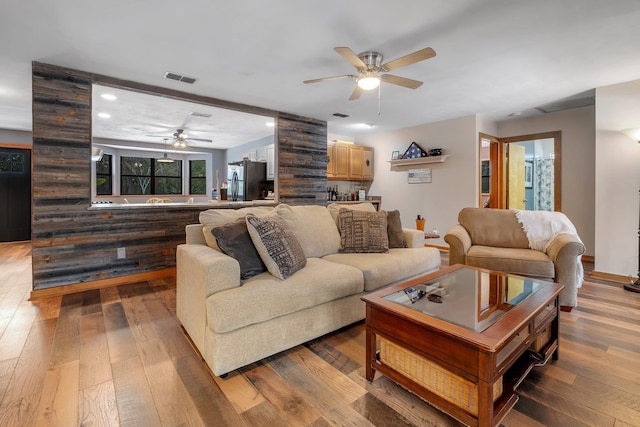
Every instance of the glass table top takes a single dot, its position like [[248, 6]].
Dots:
[[469, 298]]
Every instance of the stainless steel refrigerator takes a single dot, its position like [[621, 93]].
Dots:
[[247, 180]]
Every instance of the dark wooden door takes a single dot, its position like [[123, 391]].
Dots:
[[15, 194]]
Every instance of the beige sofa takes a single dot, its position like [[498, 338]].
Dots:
[[495, 239], [235, 322]]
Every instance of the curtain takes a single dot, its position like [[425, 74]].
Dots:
[[543, 184]]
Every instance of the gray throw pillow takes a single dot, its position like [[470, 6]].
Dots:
[[363, 232], [234, 240], [277, 245], [397, 239]]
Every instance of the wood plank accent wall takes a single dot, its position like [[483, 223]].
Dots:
[[302, 160], [73, 244]]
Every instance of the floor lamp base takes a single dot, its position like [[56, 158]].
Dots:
[[633, 287]]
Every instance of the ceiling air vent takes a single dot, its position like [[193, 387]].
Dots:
[[196, 114], [342, 116], [180, 78]]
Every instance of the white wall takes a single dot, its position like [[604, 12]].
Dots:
[[454, 183], [617, 160], [578, 173], [15, 137]]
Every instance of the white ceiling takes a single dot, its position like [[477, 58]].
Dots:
[[494, 57]]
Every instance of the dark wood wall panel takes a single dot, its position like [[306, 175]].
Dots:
[[302, 160], [74, 244]]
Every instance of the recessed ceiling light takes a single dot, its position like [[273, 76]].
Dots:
[[109, 96], [104, 115], [516, 114]]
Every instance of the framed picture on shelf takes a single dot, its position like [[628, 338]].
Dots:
[[528, 174], [395, 155]]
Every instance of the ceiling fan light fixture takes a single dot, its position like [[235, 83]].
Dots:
[[368, 80]]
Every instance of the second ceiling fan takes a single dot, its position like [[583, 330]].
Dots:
[[370, 69]]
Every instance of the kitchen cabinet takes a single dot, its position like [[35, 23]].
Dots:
[[338, 166], [271, 162], [349, 162]]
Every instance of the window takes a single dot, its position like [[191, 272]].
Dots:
[[104, 183], [11, 162], [197, 177], [140, 175]]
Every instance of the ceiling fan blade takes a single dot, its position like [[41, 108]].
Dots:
[[356, 93], [409, 59], [353, 59], [350, 76], [199, 139], [401, 81]]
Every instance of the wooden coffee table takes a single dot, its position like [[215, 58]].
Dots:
[[463, 338]]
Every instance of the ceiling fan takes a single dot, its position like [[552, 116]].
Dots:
[[180, 138], [370, 68]]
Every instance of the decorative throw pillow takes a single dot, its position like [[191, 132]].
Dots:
[[277, 245], [234, 240], [362, 232], [396, 236]]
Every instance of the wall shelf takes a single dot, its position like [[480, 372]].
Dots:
[[419, 161]]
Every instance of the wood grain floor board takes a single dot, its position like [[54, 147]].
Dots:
[[213, 406], [31, 367], [95, 364], [98, 407], [118, 356], [66, 342], [332, 407], [171, 398], [59, 400], [133, 394], [378, 413], [290, 405]]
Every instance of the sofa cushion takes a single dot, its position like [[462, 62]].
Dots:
[[234, 240], [493, 227], [278, 247], [363, 232], [215, 217], [264, 297], [397, 238], [511, 260], [398, 264], [334, 209], [314, 228]]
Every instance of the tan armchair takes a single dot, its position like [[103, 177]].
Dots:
[[494, 239]]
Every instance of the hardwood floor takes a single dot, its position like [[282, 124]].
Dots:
[[118, 356]]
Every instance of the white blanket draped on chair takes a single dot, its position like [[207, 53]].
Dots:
[[541, 227]]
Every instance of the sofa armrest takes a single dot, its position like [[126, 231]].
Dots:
[[564, 251], [194, 234], [459, 243], [201, 271], [415, 238]]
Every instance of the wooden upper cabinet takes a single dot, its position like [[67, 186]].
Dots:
[[367, 163], [349, 162], [355, 162], [340, 161]]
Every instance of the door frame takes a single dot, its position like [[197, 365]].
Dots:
[[497, 180]]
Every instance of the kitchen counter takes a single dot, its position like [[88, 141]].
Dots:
[[208, 205], [375, 201]]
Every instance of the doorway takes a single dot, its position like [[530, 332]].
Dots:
[[15, 194], [521, 172]]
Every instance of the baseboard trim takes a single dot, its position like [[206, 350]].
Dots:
[[611, 277], [99, 284], [588, 258]]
